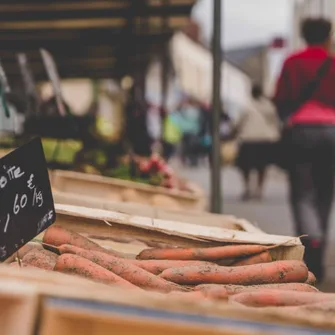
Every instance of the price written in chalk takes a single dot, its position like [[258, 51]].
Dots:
[[21, 201], [26, 203]]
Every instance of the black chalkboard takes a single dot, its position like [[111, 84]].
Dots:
[[26, 202]]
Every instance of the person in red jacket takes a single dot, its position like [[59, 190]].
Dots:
[[305, 100]]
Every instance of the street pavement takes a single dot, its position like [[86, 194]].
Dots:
[[272, 214]]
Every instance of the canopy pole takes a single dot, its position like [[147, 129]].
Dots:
[[216, 196]]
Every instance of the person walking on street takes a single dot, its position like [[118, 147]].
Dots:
[[305, 101], [257, 131]]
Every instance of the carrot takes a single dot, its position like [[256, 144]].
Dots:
[[73, 264], [213, 291], [203, 254], [223, 291], [57, 235], [42, 259], [267, 273], [311, 279], [158, 266], [263, 257], [280, 298], [123, 268], [24, 250]]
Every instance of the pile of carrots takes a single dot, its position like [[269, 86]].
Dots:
[[249, 276]]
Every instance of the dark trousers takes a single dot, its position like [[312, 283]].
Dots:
[[190, 145], [311, 176]]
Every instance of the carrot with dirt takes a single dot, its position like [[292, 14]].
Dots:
[[204, 254], [223, 291], [42, 259], [263, 257], [158, 266], [123, 268], [23, 251], [267, 273], [311, 279], [268, 298], [57, 235], [74, 264]]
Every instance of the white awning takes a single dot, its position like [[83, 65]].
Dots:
[[193, 65]]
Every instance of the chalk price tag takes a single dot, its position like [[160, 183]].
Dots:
[[26, 202]]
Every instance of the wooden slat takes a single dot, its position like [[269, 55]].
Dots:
[[178, 229], [192, 217], [52, 287], [19, 308]]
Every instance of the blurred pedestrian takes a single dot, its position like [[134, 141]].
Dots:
[[136, 126], [226, 131], [306, 103], [257, 131], [190, 124], [172, 134]]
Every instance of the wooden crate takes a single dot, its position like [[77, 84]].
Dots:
[[85, 319], [97, 223], [104, 188], [19, 304], [102, 309], [193, 217]]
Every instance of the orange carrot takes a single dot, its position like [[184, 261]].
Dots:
[[124, 268], [264, 257], [311, 280], [280, 298], [267, 273], [24, 250], [158, 266], [223, 291], [57, 235], [203, 254], [42, 259], [213, 291], [73, 264]]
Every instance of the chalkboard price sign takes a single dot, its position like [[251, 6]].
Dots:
[[26, 202]]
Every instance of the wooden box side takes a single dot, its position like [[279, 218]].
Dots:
[[67, 321], [54, 285], [192, 217], [100, 186], [93, 221], [19, 306]]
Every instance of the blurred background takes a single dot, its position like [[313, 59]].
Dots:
[[108, 83]]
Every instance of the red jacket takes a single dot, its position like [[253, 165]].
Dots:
[[298, 71]]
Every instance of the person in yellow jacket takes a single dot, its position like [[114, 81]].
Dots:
[[172, 134]]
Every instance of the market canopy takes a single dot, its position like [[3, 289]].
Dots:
[[96, 39]]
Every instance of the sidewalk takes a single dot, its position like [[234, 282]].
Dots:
[[272, 214]]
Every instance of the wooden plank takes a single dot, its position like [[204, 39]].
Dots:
[[92, 221], [104, 187], [180, 229], [193, 217], [19, 304], [64, 176], [68, 321], [80, 295]]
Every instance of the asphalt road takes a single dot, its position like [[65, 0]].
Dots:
[[272, 214]]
